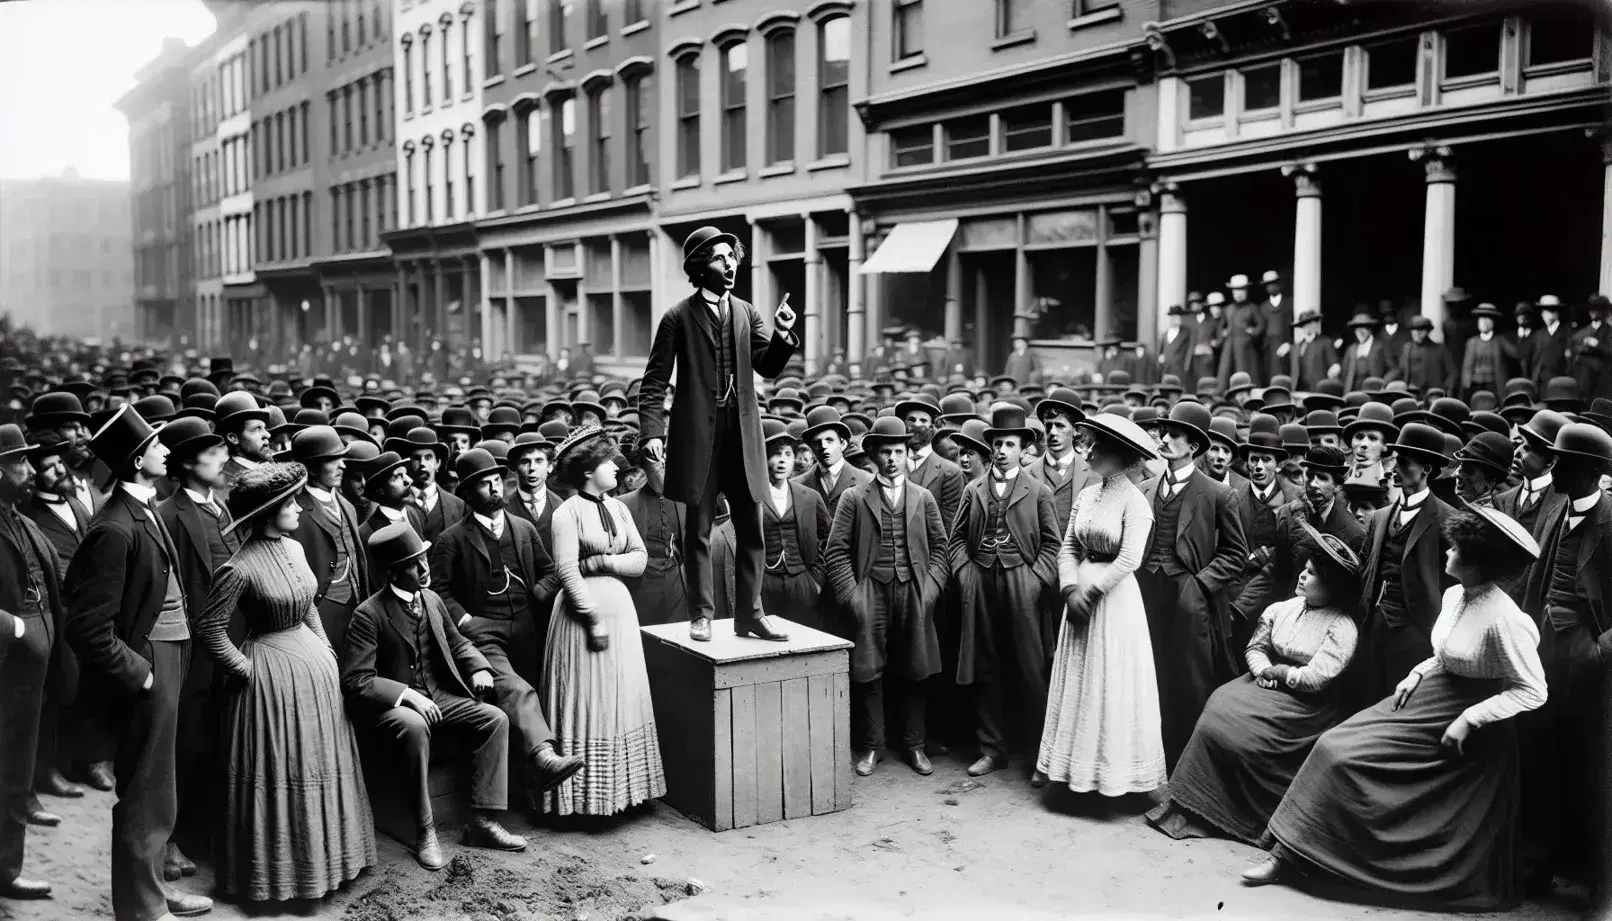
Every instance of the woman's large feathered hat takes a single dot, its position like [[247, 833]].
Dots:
[[263, 489]]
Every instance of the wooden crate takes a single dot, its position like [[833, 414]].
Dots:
[[752, 732]]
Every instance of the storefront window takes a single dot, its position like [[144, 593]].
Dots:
[[1262, 88], [1206, 97], [1392, 63], [1472, 51], [913, 146], [1321, 77], [1027, 127], [1064, 288], [968, 137]]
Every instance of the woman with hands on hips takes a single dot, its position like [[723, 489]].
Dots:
[[595, 688], [1102, 732], [1436, 760]]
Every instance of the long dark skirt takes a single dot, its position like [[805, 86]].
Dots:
[[1247, 746], [1381, 805]]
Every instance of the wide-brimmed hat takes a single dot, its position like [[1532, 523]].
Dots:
[[1009, 419], [1487, 310], [1506, 525], [580, 436], [13, 446], [51, 410], [885, 430], [1423, 442], [261, 490], [1583, 439], [317, 443], [476, 464], [1195, 418], [393, 544], [1334, 548], [124, 436], [1122, 430]]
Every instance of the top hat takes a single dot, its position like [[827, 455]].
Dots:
[[52, 410], [395, 544], [13, 446], [704, 235], [220, 368], [476, 464], [885, 430], [1195, 419], [824, 418], [1008, 419], [1423, 442], [1124, 431], [124, 437]]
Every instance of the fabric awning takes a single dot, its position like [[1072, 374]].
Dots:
[[914, 247]]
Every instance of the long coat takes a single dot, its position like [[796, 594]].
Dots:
[[687, 340], [1245, 343], [378, 662], [945, 481], [62, 680], [1278, 332], [850, 476], [183, 518], [1389, 654], [1425, 365], [1175, 355], [1209, 542], [317, 535], [1278, 578], [1356, 368], [1312, 362], [1551, 358], [1031, 520], [1591, 362], [1063, 491], [114, 588], [848, 556]]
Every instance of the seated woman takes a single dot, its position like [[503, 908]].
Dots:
[[1257, 729], [1415, 799], [595, 686]]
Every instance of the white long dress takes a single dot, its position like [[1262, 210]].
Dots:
[[1102, 729]]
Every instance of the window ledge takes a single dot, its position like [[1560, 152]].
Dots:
[[496, 212], [1461, 83], [682, 6], [1389, 92], [909, 63], [523, 70], [562, 203], [687, 182], [596, 197], [470, 96], [832, 161], [447, 102], [492, 81], [425, 110], [565, 54], [407, 116], [598, 41], [1558, 67], [1021, 37], [1112, 14], [782, 168], [529, 208], [635, 28]]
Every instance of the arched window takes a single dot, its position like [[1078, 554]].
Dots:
[[780, 96], [735, 71], [833, 85], [408, 74], [688, 115], [425, 176], [467, 135], [425, 65], [448, 210], [408, 179], [565, 135], [446, 22]]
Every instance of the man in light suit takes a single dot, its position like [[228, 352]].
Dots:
[[712, 444], [1197, 552]]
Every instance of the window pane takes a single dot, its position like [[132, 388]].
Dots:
[[735, 59], [781, 64], [1092, 116], [1027, 127], [1206, 97], [688, 86], [836, 52], [913, 146], [1472, 51], [1560, 38], [568, 120], [968, 137], [1392, 63], [833, 76], [1321, 77], [909, 29], [1262, 87]]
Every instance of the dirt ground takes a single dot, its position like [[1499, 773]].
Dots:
[[930, 847]]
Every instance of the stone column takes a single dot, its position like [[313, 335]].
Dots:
[[618, 343], [362, 337], [488, 342], [400, 310], [1147, 275], [761, 277], [1103, 284], [553, 321], [1306, 238], [511, 328], [810, 327], [1438, 236], [332, 314], [1172, 250], [855, 318], [439, 310], [1606, 215], [1022, 286], [954, 295]]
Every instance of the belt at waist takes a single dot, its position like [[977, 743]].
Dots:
[[1097, 556]]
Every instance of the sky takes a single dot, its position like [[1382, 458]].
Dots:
[[63, 64]]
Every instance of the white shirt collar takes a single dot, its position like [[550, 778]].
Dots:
[[429, 489], [201, 498], [1263, 492], [1551, 327], [406, 597], [1391, 328], [919, 455], [141, 493], [323, 495], [1583, 506], [1415, 499], [1486, 336], [712, 299], [1010, 475], [834, 469], [1184, 474], [530, 498], [893, 485], [494, 524], [1539, 483], [1067, 461], [392, 514], [782, 489]]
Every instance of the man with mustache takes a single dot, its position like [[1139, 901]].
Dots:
[[712, 445], [62, 413], [245, 427]]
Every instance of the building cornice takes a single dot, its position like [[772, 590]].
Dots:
[[1119, 163]]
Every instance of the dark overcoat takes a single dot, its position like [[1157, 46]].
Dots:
[[1209, 542], [1063, 490], [850, 475], [945, 481], [1312, 362], [1356, 368], [686, 339], [1387, 653], [1424, 366], [1551, 358], [183, 518], [1175, 355], [1031, 519], [464, 567], [1278, 579], [317, 535], [377, 665]]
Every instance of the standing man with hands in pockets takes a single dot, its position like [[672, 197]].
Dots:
[[718, 344]]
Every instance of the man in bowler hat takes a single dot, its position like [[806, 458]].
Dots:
[[712, 443]]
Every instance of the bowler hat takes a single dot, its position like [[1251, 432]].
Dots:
[[1600, 412], [317, 443], [1446, 414], [476, 464], [236, 408], [824, 418], [508, 419], [775, 430], [418, 437], [1363, 319], [13, 446], [1060, 400], [1372, 416], [586, 400], [1224, 430], [1265, 438], [1008, 419], [1423, 442], [123, 437], [395, 544], [1562, 394], [313, 393], [1295, 437], [885, 430], [524, 442], [972, 436], [1328, 394], [1491, 449], [1321, 422], [1486, 422], [920, 402], [1239, 382], [379, 468], [188, 436], [458, 420], [355, 425], [1194, 419], [1326, 458], [1581, 439], [1487, 310], [52, 410], [220, 368], [956, 408], [1542, 429], [704, 235]]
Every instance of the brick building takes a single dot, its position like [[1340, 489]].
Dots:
[[158, 112], [66, 256]]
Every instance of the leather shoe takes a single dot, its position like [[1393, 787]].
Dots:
[[986, 765], [1264, 872], [554, 768], [919, 760], [20, 888], [699, 629], [484, 832], [427, 851], [760, 628], [866, 761], [1037, 780], [175, 864], [99, 775], [43, 819], [185, 904], [54, 784]]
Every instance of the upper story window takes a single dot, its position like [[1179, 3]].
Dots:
[[598, 23], [907, 29], [1009, 17], [913, 145], [640, 109], [495, 164], [599, 124], [735, 67], [833, 86], [527, 13], [1027, 127], [493, 31], [632, 11], [408, 75], [688, 115], [531, 137], [967, 137], [1206, 96], [1093, 116], [1559, 39], [780, 96], [1262, 88], [1472, 51], [425, 67], [565, 134], [447, 61], [557, 13], [1321, 77], [1392, 63]]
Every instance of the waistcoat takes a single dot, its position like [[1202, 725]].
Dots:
[[1564, 576], [1391, 594], [997, 548], [1166, 514], [782, 540], [505, 597], [726, 364], [890, 562], [340, 590]]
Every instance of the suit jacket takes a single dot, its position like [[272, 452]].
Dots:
[[1589, 362], [233, 469], [1395, 344], [945, 481], [449, 510], [375, 520], [1312, 362], [544, 522], [1024, 368], [687, 340], [317, 534], [1497, 357], [1175, 356], [378, 663], [464, 566], [1278, 331], [1551, 358], [183, 518], [13, 583], [1356, 369], [62, 537], [1245, 329], [812, 521], [1574, 638], [1063, 492], [1421, 573], [1142, 368], [1536, 518], [856, 529], [1278, 579], [639, 502], [850, 475], [1243, 492], [1029, 517], [115, 587], [1209, 539], [1424, 366]]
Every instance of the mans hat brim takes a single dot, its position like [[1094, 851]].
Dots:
[[973, 444], [1047, 406], [273, 502], [1390, 430], [26, 449], [1202, 435], [1025, 433], [811, 431], [1314, 401], [499, 470], [375, 476], [1421, 454]]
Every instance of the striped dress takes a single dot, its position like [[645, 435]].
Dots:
[[295, 822], [598, 703]]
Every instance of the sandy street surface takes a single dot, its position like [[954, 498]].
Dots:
[[938, 847]]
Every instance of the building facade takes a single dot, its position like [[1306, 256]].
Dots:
[[568, 239], [158, 112], [66, 256], [238, 233]]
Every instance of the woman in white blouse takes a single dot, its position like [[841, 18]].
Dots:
[[1415, 799], [1257, 729]]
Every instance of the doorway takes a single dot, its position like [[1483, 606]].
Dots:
[[988, 283]]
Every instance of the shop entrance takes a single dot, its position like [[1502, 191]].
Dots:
[[990, 293]]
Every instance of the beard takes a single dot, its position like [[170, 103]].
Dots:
[[488, 506]]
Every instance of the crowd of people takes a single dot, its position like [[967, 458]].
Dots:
[[1354, 615]]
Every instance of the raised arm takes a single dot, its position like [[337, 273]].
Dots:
[[768, 354]]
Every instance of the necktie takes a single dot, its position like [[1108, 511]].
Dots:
[[1526, 500], [414, 606], [212, 508]]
